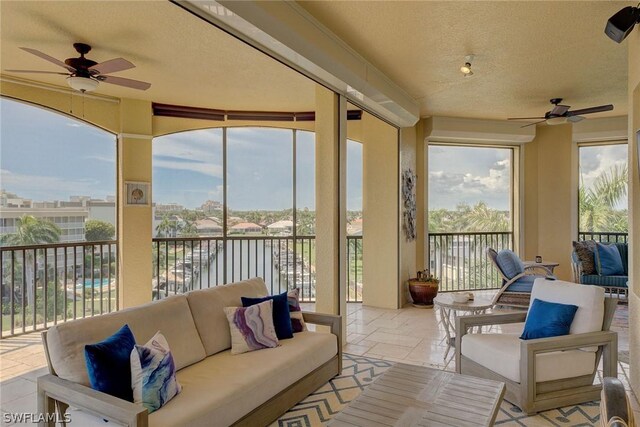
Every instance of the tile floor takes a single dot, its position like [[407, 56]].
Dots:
[[411, 335]]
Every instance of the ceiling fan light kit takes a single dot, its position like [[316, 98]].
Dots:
[[85, 75], [82, 84]]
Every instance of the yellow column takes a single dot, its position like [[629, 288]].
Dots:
[[633, 41], [330, 202], [380, 204], [551, 197], [408, 249], [134, 222]]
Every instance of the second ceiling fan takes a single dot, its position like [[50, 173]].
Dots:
[[562, 113]]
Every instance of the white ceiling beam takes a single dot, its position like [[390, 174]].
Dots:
[[287, 32]]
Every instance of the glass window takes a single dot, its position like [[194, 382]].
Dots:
[[602, 195], [306, 183]]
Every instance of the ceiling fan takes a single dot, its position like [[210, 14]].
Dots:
[[561, 114], [85, 75]]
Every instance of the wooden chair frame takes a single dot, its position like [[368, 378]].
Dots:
[[532, 396], [522, 296]]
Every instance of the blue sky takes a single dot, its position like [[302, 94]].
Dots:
[[47, 156]]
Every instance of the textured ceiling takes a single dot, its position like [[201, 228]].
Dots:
[[526, 52], [187, 61]]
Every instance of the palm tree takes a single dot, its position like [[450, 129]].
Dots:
[[598, 202], [166, 228], [483, 218], [31, 231]]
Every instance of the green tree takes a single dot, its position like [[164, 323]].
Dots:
[[598, 202], [31, 231], [166, 228], [96, 230]]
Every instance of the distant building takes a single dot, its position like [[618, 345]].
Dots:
[[278, 227], [161, 208], [208, 227], [245, 227], [211, 206], [354, 228]]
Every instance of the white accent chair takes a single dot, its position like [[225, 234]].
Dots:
[[544, 373]]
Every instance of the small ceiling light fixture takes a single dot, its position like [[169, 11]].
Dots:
[[466, 68], [82, 84], [622, 23]]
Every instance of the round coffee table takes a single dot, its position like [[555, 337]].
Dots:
[[449, 311]]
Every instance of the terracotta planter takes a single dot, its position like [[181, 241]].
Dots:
[[423, 293]]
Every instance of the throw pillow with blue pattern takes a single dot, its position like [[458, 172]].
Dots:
[[153, 374]]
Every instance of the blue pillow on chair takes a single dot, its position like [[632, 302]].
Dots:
[[510, 263], [281, 314], [548, 319], [608, 260], [109, 364]]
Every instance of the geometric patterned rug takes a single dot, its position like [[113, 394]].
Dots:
[[358, 372]]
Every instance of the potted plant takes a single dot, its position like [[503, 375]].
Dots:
[[423, 289]]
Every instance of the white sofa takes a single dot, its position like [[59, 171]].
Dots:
[[218, 389]]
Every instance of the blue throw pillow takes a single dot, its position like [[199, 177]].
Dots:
[[510, 263], [608, 260], [281, 315], [109, 364], [548, 319]]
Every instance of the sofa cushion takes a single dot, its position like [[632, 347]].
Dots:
[[251, 327], [608, 260], [280, 313], [223, 388], [623, 248], [207, 307], [66, 341], [510, 264], [585, 250], [501, 354], [108, 364], [548, 319], [613, 281]]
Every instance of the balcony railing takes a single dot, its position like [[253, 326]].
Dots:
[[460, 262], [185, 264], [605, 237], [42, 285]]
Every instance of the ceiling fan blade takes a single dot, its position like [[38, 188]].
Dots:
[[524, 118], [591, 110], [37, 72], [133, 84], [111, 66], [575, 119], [531, 124], [559, 110], [48, 58]]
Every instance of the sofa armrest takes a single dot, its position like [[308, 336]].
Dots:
[[463, 323], [52, 389], [333, 321], [607, 340]]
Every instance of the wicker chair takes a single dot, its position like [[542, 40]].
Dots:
[[516, 290]]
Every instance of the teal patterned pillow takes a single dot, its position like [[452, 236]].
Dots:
[[153, 374], [251, 327]]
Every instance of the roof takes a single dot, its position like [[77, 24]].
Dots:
[[287, 223], [244, 225]]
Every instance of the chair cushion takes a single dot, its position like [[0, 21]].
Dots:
[[207, 307], [613, 281], [108, 364], [608, 260], [501, 354], [548, 319], [172, 316], [509, 263], [280, 313], [589, 299], [523, 284], [585, 252], [223, 388], [623, 248]]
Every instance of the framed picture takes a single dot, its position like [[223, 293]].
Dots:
[[137, 193]]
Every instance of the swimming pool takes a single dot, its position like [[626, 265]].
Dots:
[[88, 284]]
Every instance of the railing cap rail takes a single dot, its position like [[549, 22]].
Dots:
[[472, 233], [231, 237], [57, 245]]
